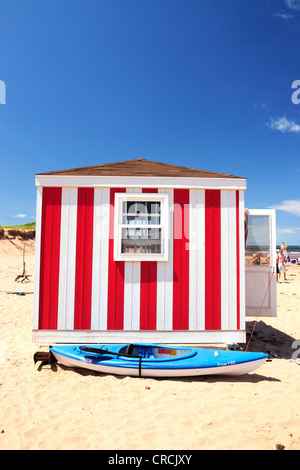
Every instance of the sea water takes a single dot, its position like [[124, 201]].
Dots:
[[292, 250]]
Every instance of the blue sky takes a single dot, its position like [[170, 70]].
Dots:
[[199, 83]]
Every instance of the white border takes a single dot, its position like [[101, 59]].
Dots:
[[140, 181], [165, 337]]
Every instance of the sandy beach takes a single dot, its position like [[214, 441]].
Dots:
[[51, 407]]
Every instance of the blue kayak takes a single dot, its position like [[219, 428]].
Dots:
[[154, 360]]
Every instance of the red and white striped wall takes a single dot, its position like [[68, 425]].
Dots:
[[83, 295]]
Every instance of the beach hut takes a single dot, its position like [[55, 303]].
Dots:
[[139, 251]]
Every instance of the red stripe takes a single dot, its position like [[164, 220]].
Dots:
[[238, 258], [212, 260], [115, 302], [148, 295], [185, 261], [181, 260], [49, 263], [84, 256], [148, 289]]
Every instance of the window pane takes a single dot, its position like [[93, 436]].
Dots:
[[141, 213], [139, 240], [258, 240]]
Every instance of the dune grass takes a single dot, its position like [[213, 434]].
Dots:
[[29, 226]]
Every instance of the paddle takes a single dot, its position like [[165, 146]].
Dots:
[[104, 351]]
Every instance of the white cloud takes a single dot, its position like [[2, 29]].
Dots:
[[284, 16], [21, 216], [292, 207], [293, 4], [259, 105], [287, 230], [284, 125]]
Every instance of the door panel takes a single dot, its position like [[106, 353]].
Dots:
[[260, 263]]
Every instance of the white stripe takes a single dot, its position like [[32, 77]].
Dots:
[[242, 262], [228, 260], [193, 252], [132, 295], [63, 259], [224, 260], [200, 324], [104, 258], [100, 259], [39, 202], [132, 289], [164, 303], [232, 265], [72, 258], [197, 260], [128, 295], [136, 295], [67, 259]]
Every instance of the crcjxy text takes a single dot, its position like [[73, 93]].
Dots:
[[157, 459]]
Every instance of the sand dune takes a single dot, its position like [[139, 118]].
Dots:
[[50, 407]]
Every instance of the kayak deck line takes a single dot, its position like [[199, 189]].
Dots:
[[129, 354]]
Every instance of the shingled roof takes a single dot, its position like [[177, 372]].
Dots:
[[139, 167]]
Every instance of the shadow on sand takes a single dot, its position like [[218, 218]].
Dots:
[[269, 340]]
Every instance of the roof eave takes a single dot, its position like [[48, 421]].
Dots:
[[141, 181]]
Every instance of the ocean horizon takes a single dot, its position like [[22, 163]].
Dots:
[[291, 249]]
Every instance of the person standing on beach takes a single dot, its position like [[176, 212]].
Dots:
[[281, 264], [277, 265]]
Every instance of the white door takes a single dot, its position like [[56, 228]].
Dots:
[[260, 263]]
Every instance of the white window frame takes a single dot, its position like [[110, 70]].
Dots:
[[164, 226]]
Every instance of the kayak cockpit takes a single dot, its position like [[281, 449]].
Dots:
[[136, 351], [152, 351]]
